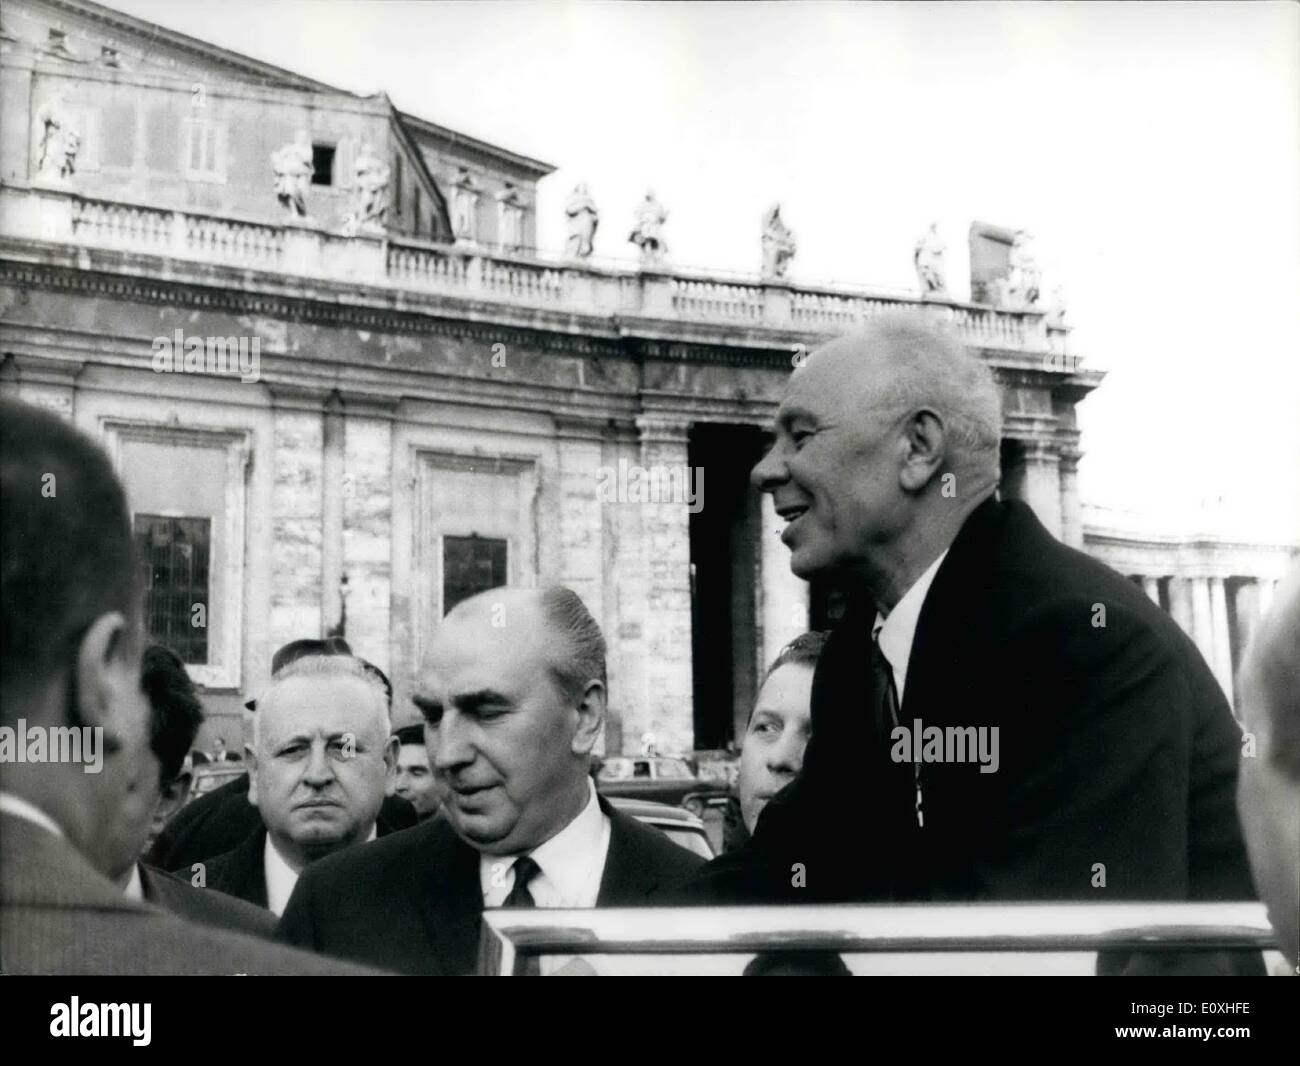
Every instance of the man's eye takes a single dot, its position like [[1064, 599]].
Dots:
[[799, 436], [292, 750]]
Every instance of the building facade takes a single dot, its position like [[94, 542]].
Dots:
[[345, 390]]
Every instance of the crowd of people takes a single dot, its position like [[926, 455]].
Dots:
[[1120, 773]]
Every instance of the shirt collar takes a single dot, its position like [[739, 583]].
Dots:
[[571, 862], [134, 887], [28, 812], [281, 877], [897, 630]]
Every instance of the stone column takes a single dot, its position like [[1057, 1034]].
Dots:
[[1266, 589], [332, 513], [1202, 629], [1036, 479], [1151, 586], [783, 598], [1245, 608], [1222, 660], [1071, 506], [368, 530], [297, 504], [1180, 604], [665, 530]]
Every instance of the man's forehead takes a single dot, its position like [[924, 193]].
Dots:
[[829, 378], [316, 704]]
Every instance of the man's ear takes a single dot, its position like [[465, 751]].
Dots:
[[108, 679], [391, 751], [591, 719], [925, 443], [250, 760]]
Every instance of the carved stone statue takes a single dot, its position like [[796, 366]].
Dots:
[[1020, 288], [648, 233], [583, 218], [510, 219], [372, 176], [779, 244], [1056, 316], [928, 257], [59, 141], [293, 171]]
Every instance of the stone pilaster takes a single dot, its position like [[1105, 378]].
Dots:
[[297, 515], [332, 464], [1071, 506], [783, 603], [1151, 586], [665, 528], [368, 528], [1266, 589], [581, 517], [1035, 478]]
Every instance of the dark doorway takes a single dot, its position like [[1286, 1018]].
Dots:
[[724, 581]]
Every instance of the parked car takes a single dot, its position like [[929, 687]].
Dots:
[[681, 826], [660, 779], [211, 776]]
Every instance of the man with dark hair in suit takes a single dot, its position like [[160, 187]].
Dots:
[[997, 716], [221, 820], [513, 696], [415, 782], [176, 715], [71, 647]]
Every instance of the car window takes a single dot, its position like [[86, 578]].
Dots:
[[615, 770], [674, 770], [689, 838], [640, 768]]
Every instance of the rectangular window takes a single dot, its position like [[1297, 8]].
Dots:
[[471, 565], [322, 161], [174, 554], [202, 147]]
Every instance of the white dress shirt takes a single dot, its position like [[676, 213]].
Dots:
[[571, 863], [134, 887], [898, 629], [28, 812], [281, 877]]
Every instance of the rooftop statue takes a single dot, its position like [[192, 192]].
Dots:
[[293, 172], [583, 218], [1020, 288], [372, 178], [648, 233], [779, 244], [928, 258]]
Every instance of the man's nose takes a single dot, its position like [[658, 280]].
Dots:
[[786, 755], [770, 472], [319, 771], [451, 746]]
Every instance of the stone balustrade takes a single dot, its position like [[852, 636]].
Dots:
[[60, 215]]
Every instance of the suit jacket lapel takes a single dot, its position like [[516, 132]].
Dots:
[[452, 900], [629, 876]]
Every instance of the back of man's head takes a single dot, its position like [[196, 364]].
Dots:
[[66, 551], [176, 710]]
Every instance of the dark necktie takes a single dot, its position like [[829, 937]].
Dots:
[[525, 870], [886, 717]]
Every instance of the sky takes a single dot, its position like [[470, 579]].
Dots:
[[1153, 149]]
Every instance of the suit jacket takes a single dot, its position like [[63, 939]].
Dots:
[[58, 915], [223, 819], [205, 906], [412, 902], [239, 872], [1118, 753]]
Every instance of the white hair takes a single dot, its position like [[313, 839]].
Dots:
[[328, 667], [930, 367]]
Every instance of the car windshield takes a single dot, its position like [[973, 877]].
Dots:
[[615, 770]]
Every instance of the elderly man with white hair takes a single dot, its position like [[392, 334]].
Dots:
[[322, 759], [997, 716]]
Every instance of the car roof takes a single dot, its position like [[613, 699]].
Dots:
[[659, 811]]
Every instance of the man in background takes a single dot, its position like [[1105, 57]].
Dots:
[[321, 759], [71, 647], [1269, 793], [222, 819], [415, 781]]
